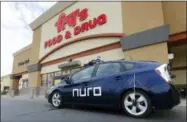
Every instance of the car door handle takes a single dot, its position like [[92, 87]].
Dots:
[[85, 83], [119, 77]]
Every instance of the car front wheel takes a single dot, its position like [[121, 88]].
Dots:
[[56, 100], [136, 104]]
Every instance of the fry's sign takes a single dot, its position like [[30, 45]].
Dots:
[[71, 21]]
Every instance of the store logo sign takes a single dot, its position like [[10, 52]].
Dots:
[[23, 62], [71, 21]]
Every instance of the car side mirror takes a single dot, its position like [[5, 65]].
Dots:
[[67, 80]]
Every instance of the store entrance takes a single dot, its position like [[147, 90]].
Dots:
[[15, 85], [69, 71], [58, 78], [52, 78]]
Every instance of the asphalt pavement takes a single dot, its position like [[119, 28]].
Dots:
[[38, 110]]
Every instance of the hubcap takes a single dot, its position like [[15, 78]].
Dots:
[[135, 104], [56, 100]]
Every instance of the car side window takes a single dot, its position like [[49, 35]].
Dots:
[[83, 74], [108, 68], [128, 65]]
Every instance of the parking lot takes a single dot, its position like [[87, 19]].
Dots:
[[26, 110]]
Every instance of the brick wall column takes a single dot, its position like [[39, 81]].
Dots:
[[14, 90], [34, 67], [34, 83]]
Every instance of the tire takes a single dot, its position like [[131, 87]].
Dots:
[[56, 99], [141, 107]]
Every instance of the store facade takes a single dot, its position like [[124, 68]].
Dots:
[[70, 34], [5, 84]]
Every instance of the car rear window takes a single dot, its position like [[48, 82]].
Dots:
[[108, 68], [128, 65]]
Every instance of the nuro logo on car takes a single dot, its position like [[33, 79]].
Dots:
[[97, 91]]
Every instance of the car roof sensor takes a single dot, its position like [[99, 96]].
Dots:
[[93, 62]]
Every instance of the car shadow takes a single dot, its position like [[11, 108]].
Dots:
[[156, 114], [165, 115], [97, 110]]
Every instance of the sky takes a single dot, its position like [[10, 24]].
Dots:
[[15, 30]]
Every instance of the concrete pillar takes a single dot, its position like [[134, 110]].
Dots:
[[34, 79], [34, 67], [34, 83]]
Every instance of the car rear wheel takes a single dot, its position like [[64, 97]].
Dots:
[[136, 105], [56, 99]]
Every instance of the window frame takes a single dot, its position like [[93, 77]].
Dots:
[[25, 81], [43, 82], [82, 80], [97, 67]]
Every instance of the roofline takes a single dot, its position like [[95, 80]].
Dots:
[[54, 10], [22, 50]]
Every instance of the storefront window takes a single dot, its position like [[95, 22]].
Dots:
[[58, 73], [25, 83], [44, 80], [66, 72], [50, 78]]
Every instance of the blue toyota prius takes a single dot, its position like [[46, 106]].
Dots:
[[136, 87]]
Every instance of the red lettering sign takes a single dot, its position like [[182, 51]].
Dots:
[[85, 26], [100, 20], [77, 30], [67, 35], [83, 14], [59, 38], [71, 21], [53, 41], [60, 24]]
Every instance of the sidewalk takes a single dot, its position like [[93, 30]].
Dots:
[[183, 102], [24, 97]]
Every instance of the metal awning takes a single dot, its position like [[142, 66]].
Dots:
[[70, 65]]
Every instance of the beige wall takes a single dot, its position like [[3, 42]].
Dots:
[[179, 61], [113, 25], [5, 81], [25, 55], [179, 55], [140, 16], [36, 45], [156, 52], [34, 79], [180, 77], [175, 16], [114, 54], [80, 47]]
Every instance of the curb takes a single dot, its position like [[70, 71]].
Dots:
[[24, 98]]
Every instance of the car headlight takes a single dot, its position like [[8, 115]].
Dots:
[[50, 89]]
